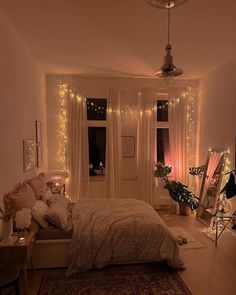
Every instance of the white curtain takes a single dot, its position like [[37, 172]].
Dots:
[[182, 132], [113, 146], [146, 145], [77, 148]]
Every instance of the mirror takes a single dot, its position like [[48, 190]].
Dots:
[[211, 185]]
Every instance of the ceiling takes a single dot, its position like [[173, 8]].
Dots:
[[126, 37]]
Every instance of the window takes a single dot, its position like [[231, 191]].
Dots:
[[163, 141], [96, 122], [97, 146], [96, 109]]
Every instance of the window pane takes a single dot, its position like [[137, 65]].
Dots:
[[162, 110], [96, 108], [163, 146], [97, 148]]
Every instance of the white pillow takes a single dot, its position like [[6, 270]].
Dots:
[[60, 200], [39, 211], [47, 197], [58, 216]]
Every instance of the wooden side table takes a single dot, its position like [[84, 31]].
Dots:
[[18, 253]]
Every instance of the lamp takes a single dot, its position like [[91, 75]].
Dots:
[[58, 177], [168, 70]]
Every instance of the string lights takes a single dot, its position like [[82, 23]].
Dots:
[[66, 92]]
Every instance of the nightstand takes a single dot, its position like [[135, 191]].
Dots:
[[18, 253]]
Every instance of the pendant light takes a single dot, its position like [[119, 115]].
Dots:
[[168, 70]]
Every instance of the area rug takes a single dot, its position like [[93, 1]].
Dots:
[[136, 279], [192, 242]]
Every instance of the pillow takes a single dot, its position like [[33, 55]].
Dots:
[[58, 216], [22, 197], [47, 197], [38, 185], [39, 211], [60, 200]]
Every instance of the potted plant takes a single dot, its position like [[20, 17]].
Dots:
[[177, 190]]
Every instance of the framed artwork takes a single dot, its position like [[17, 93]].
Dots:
[[38, 131], [39, 155], [128, 146], [29, 154]]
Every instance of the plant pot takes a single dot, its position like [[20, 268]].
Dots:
[[184, 209]]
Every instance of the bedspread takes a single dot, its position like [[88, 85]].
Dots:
[[118, 231]]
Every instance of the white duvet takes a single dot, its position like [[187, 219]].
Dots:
[[119, 231]]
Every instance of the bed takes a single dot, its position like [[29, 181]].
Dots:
[[93, 233], [116, 232]]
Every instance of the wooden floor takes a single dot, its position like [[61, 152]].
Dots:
[[209, 270]]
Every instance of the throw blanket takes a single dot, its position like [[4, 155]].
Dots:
[[118, 231]]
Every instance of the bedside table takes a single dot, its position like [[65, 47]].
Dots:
[[18, 253]]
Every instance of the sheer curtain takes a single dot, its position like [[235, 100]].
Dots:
[[182, 132], [113, 146], [77, 147], [146, 146]]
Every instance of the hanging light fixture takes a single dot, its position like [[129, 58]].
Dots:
[[168, 70]]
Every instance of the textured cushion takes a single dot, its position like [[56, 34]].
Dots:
[[58, 216], [39, 211], [47, 197], [38, 185], [60, 200], [22, 197]]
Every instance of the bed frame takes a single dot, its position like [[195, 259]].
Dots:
[[50, 253]]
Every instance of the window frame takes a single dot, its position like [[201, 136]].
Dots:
[[97, 123], [161, 124]]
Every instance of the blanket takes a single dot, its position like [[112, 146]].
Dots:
[[118, 231]]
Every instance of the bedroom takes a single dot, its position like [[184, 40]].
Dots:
[[46, 42]]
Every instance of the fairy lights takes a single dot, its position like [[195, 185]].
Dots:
[[65, 92]]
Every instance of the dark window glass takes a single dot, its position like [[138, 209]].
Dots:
[[97, 149], [96, 108], [162, 110], [163, 146]]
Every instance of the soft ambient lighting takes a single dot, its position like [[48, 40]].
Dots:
[[168, 70]]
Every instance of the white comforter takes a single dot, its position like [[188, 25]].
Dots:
[[118, 231]]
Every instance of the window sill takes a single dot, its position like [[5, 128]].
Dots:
[[96, 178]]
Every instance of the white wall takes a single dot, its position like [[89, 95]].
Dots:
[[217, 112], [22, 99], [97, 87]]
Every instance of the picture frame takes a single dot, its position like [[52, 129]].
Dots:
[[39, 155], [128, 146], [29, 154], [38, 131]]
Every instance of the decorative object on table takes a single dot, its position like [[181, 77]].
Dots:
[[29, 154], [38, 131], [168, 71], [23, 221], [57, 180], [149, 278], [212, 179], [7, 224], [177, 190]]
